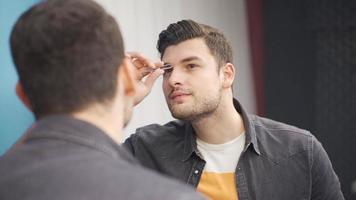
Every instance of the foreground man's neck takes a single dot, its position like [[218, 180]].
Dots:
[[109, 124]]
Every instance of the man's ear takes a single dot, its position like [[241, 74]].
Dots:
[[22, 96], [228, 72], [128, 77]]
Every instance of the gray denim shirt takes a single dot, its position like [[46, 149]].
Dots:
[[65, 158], [279, 161]]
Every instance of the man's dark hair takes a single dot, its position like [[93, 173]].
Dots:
[[189, 29], [67, 54]]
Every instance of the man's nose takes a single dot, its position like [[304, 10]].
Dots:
[[176, 76]]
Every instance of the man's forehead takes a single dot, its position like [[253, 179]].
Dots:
[[186, 51]]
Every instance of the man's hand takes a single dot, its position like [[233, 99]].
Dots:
[[147, 74]]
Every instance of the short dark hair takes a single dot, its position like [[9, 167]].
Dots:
[[67, 54], [189, 29]]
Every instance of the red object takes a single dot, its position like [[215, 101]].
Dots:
[[255, 24]]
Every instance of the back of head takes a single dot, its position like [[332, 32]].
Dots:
[[67, 54], [184, 30]]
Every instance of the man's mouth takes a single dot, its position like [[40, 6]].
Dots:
[[179, 95]]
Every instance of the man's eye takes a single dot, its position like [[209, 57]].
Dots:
[[167, 71], [191, 66]]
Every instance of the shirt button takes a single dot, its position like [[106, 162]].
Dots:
[[196, 171]]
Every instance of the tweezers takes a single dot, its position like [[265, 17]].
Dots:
[[164, 67]]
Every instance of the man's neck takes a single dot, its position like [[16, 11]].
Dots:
[[103, 120], [224, 125]]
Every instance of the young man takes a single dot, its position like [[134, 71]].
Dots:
[[74, 76], [214, 145]]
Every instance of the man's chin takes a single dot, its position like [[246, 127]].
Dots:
[[180, 114]]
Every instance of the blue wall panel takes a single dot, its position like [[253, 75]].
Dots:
[[14, 117]]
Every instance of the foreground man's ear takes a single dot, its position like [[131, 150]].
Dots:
[[22, 96], [128, 75]]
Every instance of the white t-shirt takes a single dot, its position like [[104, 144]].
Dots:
[[218, 179]]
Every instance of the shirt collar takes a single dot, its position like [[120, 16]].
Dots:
[[190, 144], [251, 137]]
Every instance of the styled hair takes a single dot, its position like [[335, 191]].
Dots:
[[67, 54], [184, 30]]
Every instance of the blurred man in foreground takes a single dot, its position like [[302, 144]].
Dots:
[[74, 76]]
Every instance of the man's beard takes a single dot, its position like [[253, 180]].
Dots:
[[200, 108]]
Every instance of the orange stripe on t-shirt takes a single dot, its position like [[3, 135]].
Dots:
[[218, 186]]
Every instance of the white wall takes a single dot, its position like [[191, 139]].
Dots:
[[142, 20]]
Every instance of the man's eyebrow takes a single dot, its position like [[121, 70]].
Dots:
[[188, 59], [192, 58]]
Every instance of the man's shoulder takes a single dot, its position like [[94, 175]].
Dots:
[[118, 177], [171, 130], [127, 178], [154, 185], [276, 128], [157, 138], [85, 176], [280, 140]]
